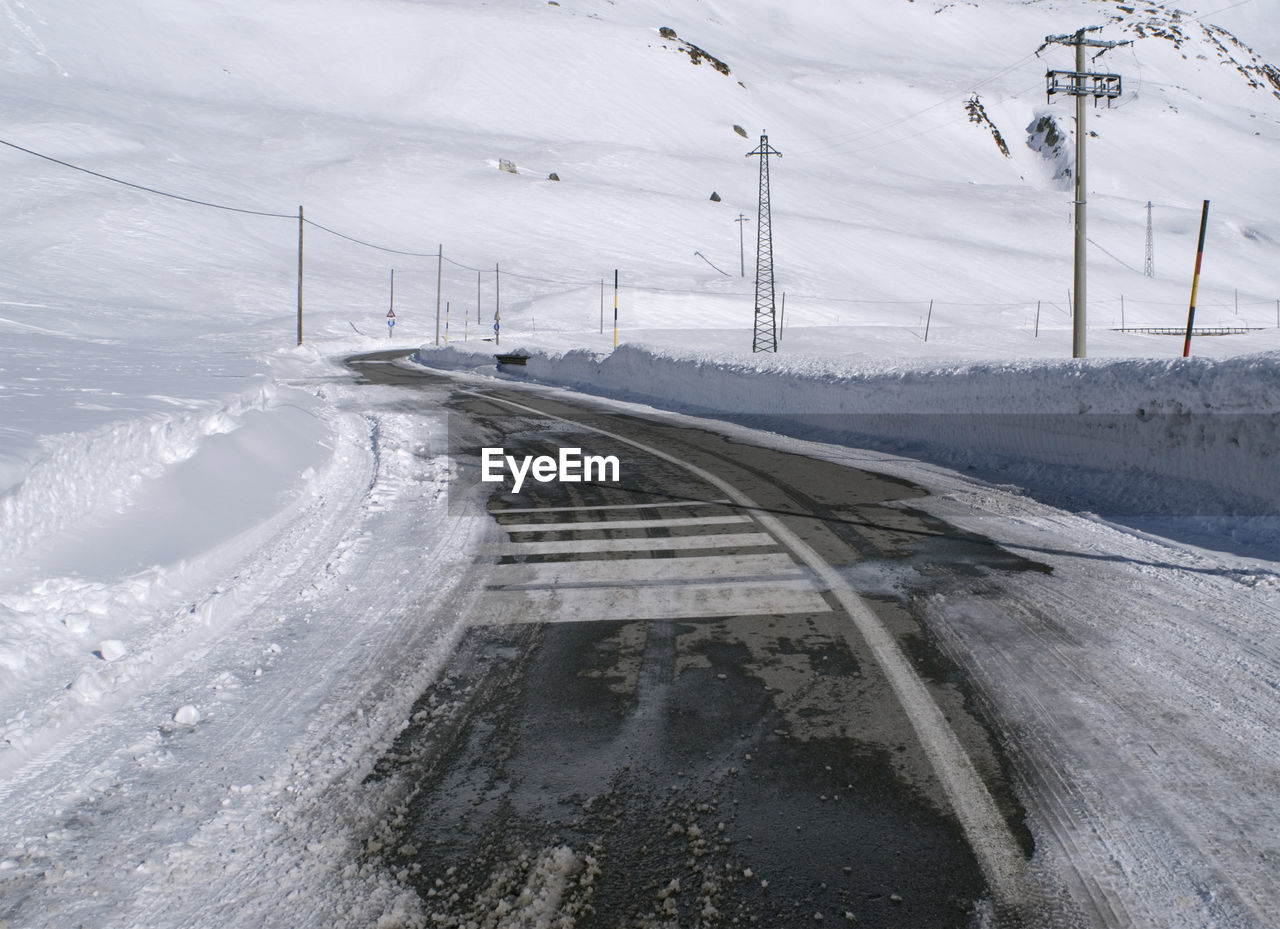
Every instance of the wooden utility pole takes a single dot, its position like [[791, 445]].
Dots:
[[1080, 84], [300, 222], [439, 279]]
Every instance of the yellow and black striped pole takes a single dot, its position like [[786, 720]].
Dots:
[[1195, 281]]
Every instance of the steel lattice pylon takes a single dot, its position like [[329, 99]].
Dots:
[[766, 328], [1149, 266]]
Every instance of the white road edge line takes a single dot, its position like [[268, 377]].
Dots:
[[992, 841]]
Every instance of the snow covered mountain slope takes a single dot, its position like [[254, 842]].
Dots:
[[387, 121]]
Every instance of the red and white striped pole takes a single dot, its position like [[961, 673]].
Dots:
[[1195, 281]]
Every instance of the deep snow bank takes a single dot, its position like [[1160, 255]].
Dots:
[[1126, 438], [108, 469]]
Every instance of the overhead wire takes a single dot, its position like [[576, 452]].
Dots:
[[841, 141], [381, 248], [438, 254], [151, 190], [271, 214], [1223, 9]]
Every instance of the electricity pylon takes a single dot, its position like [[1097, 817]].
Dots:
[[765, 338], [1149, 268]]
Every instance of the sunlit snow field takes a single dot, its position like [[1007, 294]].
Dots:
[[160, 430]]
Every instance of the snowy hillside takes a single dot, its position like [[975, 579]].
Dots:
[[387, 121], [167, 453]]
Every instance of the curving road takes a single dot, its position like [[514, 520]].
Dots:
[[674, 708]]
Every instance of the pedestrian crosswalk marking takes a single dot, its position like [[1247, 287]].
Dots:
[[640, 544], [596, 525], [681, 504], [707, 568], [677, 601], [712, 567]]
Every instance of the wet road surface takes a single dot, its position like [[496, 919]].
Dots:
[[665, 716]]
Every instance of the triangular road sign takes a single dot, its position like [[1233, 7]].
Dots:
[[391, 314]]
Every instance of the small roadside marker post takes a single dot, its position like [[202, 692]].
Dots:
[[391, 305], [1195, 281]]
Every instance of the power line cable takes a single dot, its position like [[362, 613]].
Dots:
[[459, 264], [381, 248], [150, 190], [221, 206], [1223, 9], [840, 141], [276, 215], [543, 280]]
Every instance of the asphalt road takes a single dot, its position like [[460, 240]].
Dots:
[[697, 695]]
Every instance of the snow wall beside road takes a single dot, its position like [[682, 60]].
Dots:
[[1176, 437]]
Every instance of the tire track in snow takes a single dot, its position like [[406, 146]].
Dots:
[[285, 747], [356, 698], [1141, 723]]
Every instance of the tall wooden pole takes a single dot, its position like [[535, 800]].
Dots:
[[439, 276], [497, 304], [1081, 84], [300, 222], [1078, 329]]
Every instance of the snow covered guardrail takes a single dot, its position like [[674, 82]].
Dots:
[[1125, 438]]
